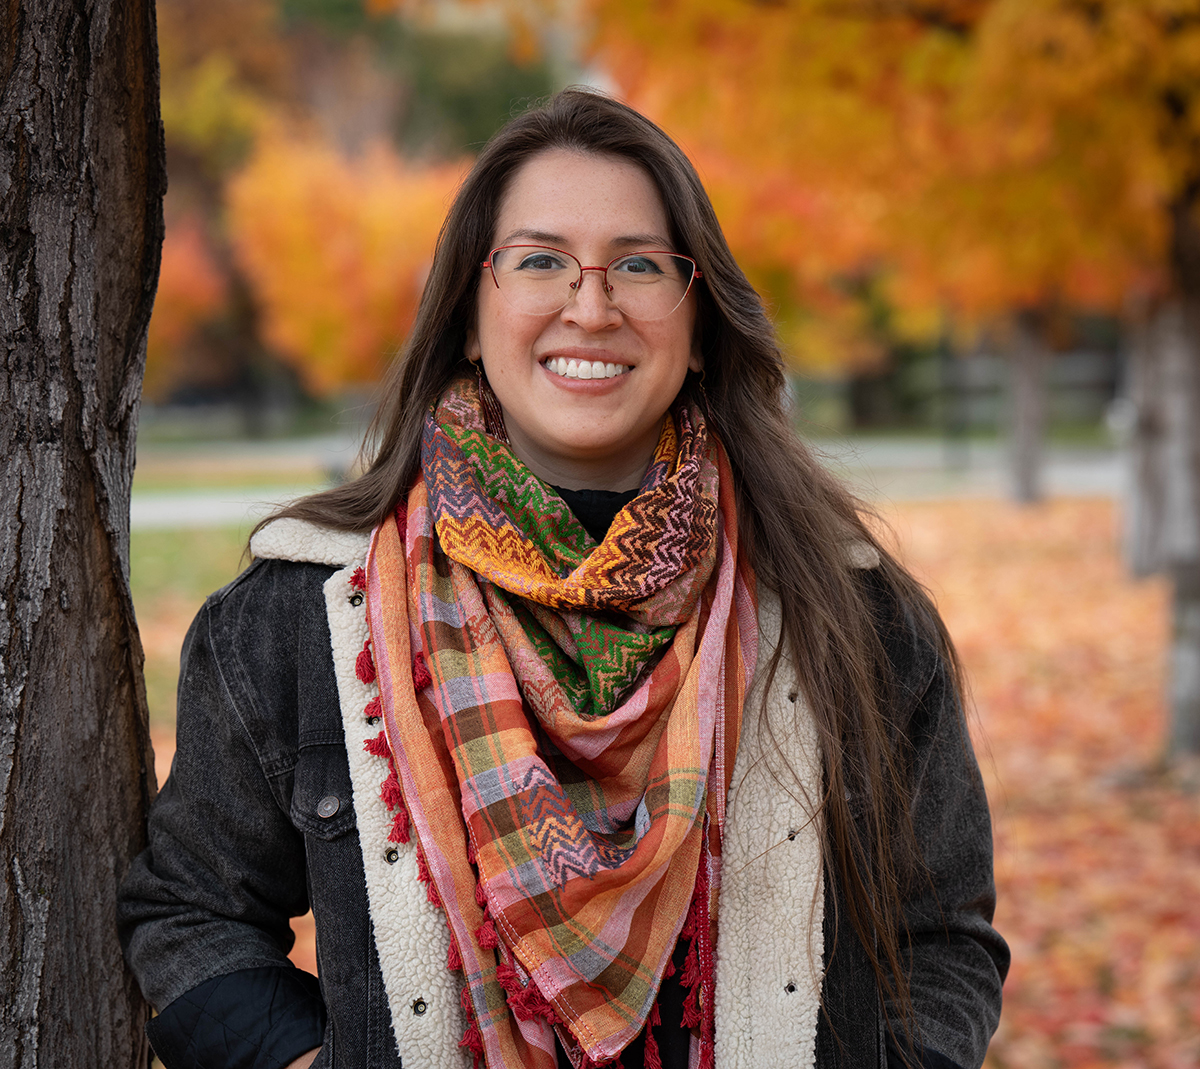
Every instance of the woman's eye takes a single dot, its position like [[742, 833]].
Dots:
[[540, 262], [638, 265]]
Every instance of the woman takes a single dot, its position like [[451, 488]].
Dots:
[[592, 721]]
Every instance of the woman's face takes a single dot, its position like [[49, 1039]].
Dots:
[[595, 433]]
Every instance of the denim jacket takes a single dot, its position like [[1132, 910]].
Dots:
[[271, 809]]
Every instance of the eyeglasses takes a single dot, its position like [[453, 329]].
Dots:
[[538, 280]]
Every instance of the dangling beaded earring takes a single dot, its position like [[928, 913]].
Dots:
[[489, 403]]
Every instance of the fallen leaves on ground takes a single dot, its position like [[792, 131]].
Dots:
[[1097, 852]]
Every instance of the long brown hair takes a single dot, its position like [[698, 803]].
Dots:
[[794, 518]]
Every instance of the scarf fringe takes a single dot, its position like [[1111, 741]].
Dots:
[[525, 1001], [471, 1040], [485, 934], [698, 968], [364, 664], [389, 790]]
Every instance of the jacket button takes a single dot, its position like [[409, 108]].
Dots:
[[327, 806], [372, 720], [356, 598], [392, 856], [419, 1008], [790, 988]]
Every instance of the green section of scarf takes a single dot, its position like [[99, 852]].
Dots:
[[595, 657]]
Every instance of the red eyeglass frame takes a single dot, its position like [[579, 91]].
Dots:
[[696, 272]]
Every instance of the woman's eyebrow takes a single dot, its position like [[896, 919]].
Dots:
[[544, 237], [541, 237]]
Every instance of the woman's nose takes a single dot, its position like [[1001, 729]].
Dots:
[[590, 306]]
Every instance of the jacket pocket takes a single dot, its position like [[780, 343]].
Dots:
[[322, 802]]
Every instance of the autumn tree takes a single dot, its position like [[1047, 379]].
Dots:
[[82, 175], [336, 249], [994, 161]]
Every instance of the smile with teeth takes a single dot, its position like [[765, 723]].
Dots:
[[584, 369]]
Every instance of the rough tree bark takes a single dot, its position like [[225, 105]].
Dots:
[[1163, 506], [1027, 360], [81, 184]]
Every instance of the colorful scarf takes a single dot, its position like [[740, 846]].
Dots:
[[565, 760]]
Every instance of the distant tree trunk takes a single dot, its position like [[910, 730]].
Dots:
[[1163, 508], [81, 185], [1028, 357]]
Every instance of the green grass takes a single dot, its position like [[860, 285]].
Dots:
[[171, 573]]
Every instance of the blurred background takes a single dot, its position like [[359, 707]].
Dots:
[[974, 222]]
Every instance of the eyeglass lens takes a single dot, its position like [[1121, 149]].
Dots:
[[540, 280]]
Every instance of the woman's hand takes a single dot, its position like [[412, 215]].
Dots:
[[305, 1060]]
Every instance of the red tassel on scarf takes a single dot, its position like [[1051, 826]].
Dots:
[[364, 664], [358, 581], [485, 934], [401, 829], [378, 746], [389, 791], [471, 1039], [525, 1002], [423, 875]]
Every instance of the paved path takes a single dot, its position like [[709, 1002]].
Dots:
[[881, 470]]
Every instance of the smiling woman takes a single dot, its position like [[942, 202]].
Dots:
[[592, 721]]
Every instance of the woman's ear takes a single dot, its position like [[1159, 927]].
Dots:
[[471, 349], [695, 360]]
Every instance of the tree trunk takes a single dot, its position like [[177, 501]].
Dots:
[[1184, 740], [81, 184], [1028, 357], [1163, 506]]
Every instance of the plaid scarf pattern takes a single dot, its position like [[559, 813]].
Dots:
[[565, 760]]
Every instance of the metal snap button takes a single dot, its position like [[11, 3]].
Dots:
[[372, 720], [392, 856], [793, 695], [419, 1008], [356, 598], [792, 835], [789, 987], [327, 806]]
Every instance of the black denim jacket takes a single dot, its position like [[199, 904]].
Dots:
[[238, 845]]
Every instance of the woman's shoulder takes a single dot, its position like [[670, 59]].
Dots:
[[284, 584], [302, 542]]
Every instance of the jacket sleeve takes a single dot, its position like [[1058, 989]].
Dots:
[[224, 870], [956, 960], [252, 1019]]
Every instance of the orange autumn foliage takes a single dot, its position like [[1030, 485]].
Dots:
[[191, 290], [336, 251], [979, 155]]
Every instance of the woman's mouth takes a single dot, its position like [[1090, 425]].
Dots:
[[584, 369]]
